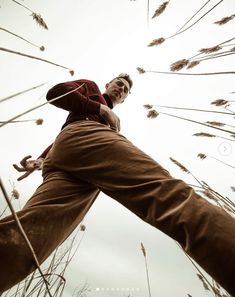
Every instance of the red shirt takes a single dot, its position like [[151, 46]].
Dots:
[[82, 104]]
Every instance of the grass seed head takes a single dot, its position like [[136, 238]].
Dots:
[[214, 123], [82, 227], [178, 65], [140, 70], [160, 9], [15, 194], [224, 20], [219, 102], [147, 106], [209, 50], [182, 167], [193, 64], [39, 122], [156, 41], [39, 20], [152, 114], [203, 134], [143, 249], [201, 156]]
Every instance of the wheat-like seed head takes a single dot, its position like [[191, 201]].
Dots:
[[152, 114], [214, 123], [82, 227], [178, 65], [39, 20], [140, 70], [201, 156], [160, 9], [203, 134], [209, 50], [219, 102], [182, 167], [156, 41], [147, 106], [143, 249], [39, 121], [15, 194], [203, 282], [193, 64], [224, 20]]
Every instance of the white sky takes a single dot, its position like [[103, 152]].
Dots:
[[99, 40]]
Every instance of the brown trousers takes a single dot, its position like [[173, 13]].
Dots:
[[88, 157]]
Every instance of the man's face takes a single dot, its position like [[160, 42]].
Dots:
[[117, 90]]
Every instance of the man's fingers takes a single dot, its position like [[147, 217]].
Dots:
[[24, 175], [19, 168], [23, 161]]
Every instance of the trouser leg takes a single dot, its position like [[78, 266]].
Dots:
[[128, 175], [53, 212]]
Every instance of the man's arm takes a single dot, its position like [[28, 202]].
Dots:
[[77, 101]]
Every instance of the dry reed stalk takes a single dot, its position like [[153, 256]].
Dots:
[[146, 267], [149, 106], [40, 105], [35, 58], [37, 17], [196, 74], [215, 56], [42, 48], [38, 122], [148, 13], [160, 9], [25, 237], [224, 20], [196, 267], [203, 156], [22, 92], [193, 16], [196, 122]]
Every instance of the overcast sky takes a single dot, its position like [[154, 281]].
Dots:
[[99, 40]]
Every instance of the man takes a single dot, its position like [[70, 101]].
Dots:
[[89, 155]]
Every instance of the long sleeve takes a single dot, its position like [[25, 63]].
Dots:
[[77, 101]]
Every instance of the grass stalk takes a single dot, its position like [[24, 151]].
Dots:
[[35, 58], [42, 48], [25, 237], [146, 268], [38, 106], [21, 92]]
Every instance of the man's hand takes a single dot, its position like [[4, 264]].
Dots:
[[28, 166], [110, 117]]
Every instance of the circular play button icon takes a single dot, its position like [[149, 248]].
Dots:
[[225, 149]]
